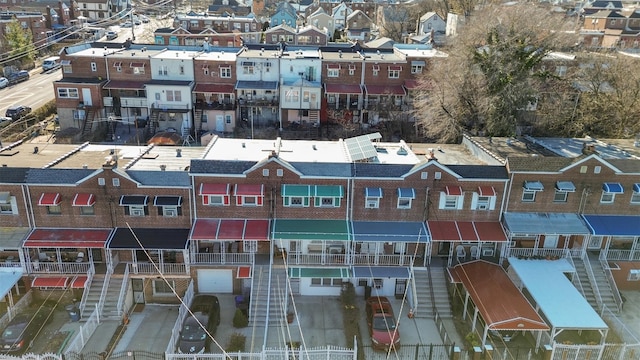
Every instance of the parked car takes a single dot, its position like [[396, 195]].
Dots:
[[144, 19], [111, 35], [51, 63], [4, 119], [19, 334], [137, 21], [20, 76], [16, 112], [382, 323], [193, 338], [4, 82], [126, 24]]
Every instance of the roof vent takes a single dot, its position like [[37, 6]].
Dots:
[[402, 151], [163, 167], [178, 152], [244, 145], [35, 149], [314, 147], [85, 166]]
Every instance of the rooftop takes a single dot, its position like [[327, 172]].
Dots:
[[176, 54], [173, 158], [229, 54]]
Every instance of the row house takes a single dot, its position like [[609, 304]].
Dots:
[[258, 86], [182, 37], [33, 22], [611, 29], [201, 26], [304, 36], [300, 86]]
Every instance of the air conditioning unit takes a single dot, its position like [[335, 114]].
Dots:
[[487, 252], [483, 206], [137, 212], [171, 212], [371, 204], [634, 275]]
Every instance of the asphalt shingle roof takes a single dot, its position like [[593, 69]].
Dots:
[[532, 164], [480, 171], [369, 170], [221, 167], [323, 169], [160, 178], [57, 176], [626, 165], [11, 175]]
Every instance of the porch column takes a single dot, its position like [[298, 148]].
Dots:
[[186, 260], [475, 318], [466, 302]]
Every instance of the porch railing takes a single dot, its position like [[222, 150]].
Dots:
[[529, 252], [381, 259], [318, 259], [59, 267], [123, 291], [626, 255], [226, 258], [576, 278], [593, 281], [85, 293], [14, 264], [103, 292], [165, 268]]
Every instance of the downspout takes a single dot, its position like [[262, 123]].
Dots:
[[26, 197]]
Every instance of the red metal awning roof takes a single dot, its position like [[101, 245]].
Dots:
[[500, 303], [342, 89], [79, 282], [230, 229], [67, 238], [124, 85], [137, 64], [333, 66], [468, 231], [215, 88], [50, 282], [384, 90], [486, 191], [249, 190], [454, 190], [214, 189], [244, 272], [84, 200], [411, 84], [395, 67], [49, 199]]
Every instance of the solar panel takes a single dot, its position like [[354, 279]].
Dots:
[[361, 147]]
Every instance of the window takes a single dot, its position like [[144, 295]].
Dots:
[[327, 196], [163, 70], [405, 197], [115, 182], [138, 70], [607, 197], [54, 210], [376, 70], [634, 275], [279, 172], [352, 71], [248, 200], [635, 196], [225, 72], [529, 190], [560, 196], [169, 211], [101, 181], [437, 175], [94, 67], [528, 196], [66, 68], [424, 175], [248, 68], [181, 69], [326, 282], [174, 95], [87, 210], [216, 200], [583, 169], [70, 93], [265, 172], [416, 69], [205, 70], [136, 210], [163, 287], [394, 74], [609, 191], [597, 169], [8, 204], [450, 202], [334, 73]]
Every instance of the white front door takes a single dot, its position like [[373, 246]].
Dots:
[[86, 97], [220, 123]]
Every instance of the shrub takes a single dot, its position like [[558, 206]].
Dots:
[[472, 339], [236, 342], [240, 319]]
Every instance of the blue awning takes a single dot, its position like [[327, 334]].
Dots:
[[565, 186], [544, 223], [533, 186], [407, 193], [636, 187], [613, 225], [390, 231], [614, 188], [256, 85], [397, 272], [373, 192]]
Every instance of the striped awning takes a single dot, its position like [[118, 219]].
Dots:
[[486, 191], [454, 190], [49, 199], [50, 282], [614, 188], [84, 200]]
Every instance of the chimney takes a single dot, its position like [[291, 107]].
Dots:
[[61, 19], [178, 152], [110, 162], [163, 167], [47, 18]]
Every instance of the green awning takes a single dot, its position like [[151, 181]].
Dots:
[[306, 229], [334, 191], [332, 273], [296, 190]]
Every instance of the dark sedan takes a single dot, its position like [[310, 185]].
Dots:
[[19, 334]]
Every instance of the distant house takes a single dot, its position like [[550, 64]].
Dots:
[[97, 9], [358, 26], [281, 33], [393, 21], [430, 22], [340, 14], [311, 35], [228, 8], [285, 14], [322, 20]]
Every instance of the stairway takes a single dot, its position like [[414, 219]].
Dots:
[[439, 300], [602, 283], [153, 122], [110, 308], [87, 125], [197, 119], [314, 116], [263, 289]]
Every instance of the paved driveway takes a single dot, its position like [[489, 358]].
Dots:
[[150, 329]]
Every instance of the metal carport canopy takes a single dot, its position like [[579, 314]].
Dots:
[[545, 223]]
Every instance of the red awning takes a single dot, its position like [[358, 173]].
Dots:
[[486, 191], [215, 88], [124, 85], [68, 238], [230, 229], [468, 231], [395, 67], [454, 190], [50, 282], [79, 282], [342, 89], [333, 66], [244, 272], [384, 90], [214, 189], [84, 200], [249, 190], [137, 64], [49, 199], [117, 64], [411, 84]]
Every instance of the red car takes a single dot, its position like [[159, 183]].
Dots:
[[382, 324]]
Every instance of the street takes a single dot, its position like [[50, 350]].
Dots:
[[35, 92]]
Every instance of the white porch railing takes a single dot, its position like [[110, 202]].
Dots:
[[226, 258], [58, 267], [85, 293], [182, 314], [19, 305], [624, 255], [380, 259], [10, 264], [317, 259], [165, 268], [84, 333], [593, 281], [123, 291], [612, 282], [530, 252]]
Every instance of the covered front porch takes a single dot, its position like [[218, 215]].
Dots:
[[462, 241], [11, 239], [228, 241], [389, 243], [310, 241], [150, 251], [616, 237]]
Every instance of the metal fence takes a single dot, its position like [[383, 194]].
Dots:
[[411, 352], [182, 314], [18, 307]]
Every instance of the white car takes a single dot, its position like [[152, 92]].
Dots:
[[4, 82], [126, 24], [144, 19]]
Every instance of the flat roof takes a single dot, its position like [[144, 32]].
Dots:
[[560, 302], [302, 151], [165, 155], [606, 149], [176, 54], [448, 154], [25, 155], [217, 55]]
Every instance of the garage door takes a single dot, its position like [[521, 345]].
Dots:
[[215, 281]]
